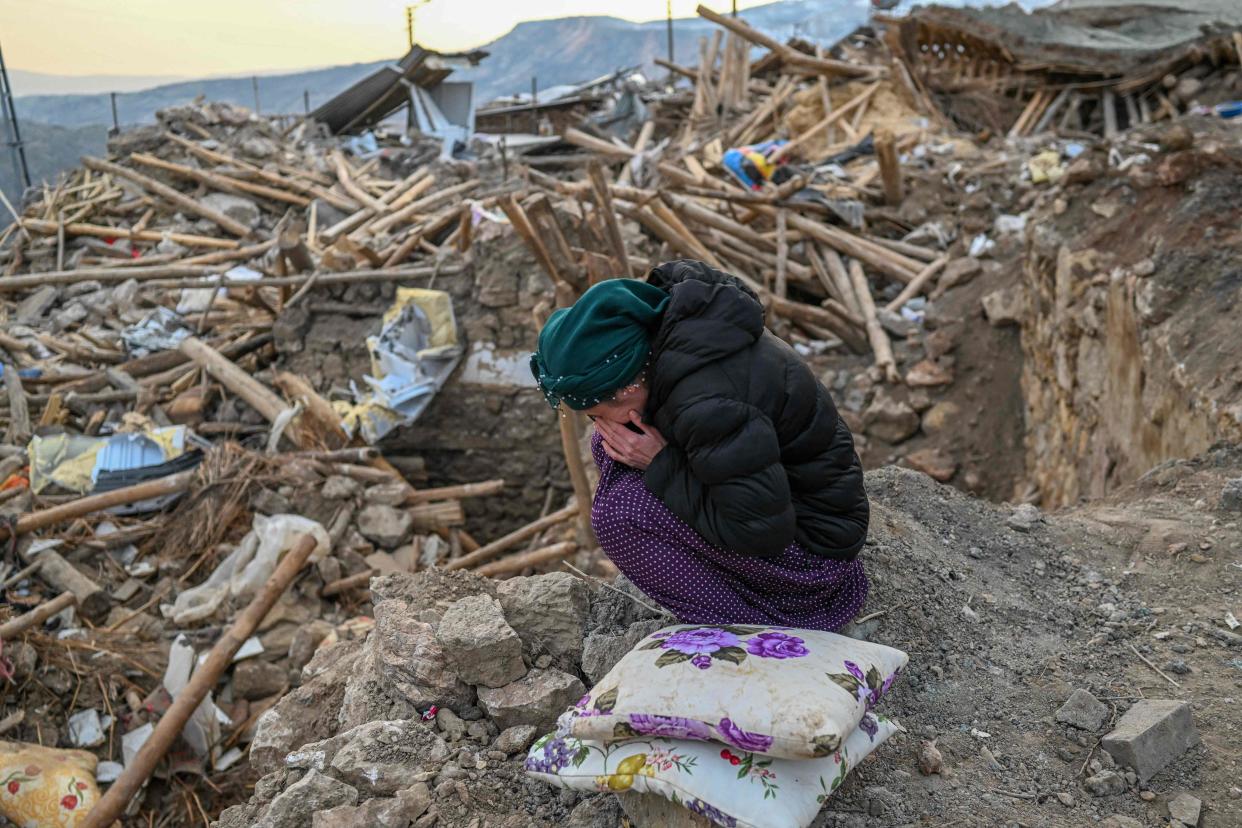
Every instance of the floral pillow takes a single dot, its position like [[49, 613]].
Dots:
[[733, 788], [776, 691]]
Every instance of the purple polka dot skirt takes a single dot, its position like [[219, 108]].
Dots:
[[704, 584]]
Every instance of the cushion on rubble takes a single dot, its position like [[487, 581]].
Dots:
[[776, 691], [734, 788]]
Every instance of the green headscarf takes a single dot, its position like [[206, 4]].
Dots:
[[588, 351]]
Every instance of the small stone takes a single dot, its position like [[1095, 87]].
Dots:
[[1151, 735], [340, 487], [254, 679], [1177, 666], [480, 644], [387, 494], [1131, 777], [1004, 306], [1024, 517], [928, 374], [1106, 783], [1083, 711], [386, 526], [535, 699], [515, 739], [890, 419], [934, 463], [958, 272], [450, 724], [1119, 821], [940, 415], [1065, 799], [238, 208], [930, 759], [1185, 809], [1147, 796]]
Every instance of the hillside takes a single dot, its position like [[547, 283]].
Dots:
[[50, 149]]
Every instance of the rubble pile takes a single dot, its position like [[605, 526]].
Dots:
[[270, 443]]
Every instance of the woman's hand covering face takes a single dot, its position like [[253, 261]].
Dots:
[[636, 450]]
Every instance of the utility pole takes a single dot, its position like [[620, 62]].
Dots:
[[668, 9], [306, 100], [254, 81], [409, 20], [735, 8], [116, 122], [13, 133]]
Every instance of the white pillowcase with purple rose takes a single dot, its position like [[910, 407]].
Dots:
[[733, 788], [773, 691]]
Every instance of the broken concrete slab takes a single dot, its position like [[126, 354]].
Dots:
[[381, 758], [535, 699], [1151, 735], [481, 645], [548, 612], [1083, 711]]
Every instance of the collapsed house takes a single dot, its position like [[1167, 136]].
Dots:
[[232, 334], [1094, 66]]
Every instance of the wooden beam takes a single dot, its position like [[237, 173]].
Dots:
[[180, 199]]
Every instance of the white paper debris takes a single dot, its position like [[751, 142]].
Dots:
[[133, 741], [108, 772], [250, 648], [1232, 621], [86, 730]]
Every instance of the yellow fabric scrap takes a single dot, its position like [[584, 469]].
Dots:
[[1046, 167]]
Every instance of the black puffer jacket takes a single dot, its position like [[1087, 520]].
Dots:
[[757, 455]]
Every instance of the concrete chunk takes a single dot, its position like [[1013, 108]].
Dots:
[[1151, 735], [1083, 711], [480, 643]]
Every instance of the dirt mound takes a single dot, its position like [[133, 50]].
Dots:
[[1004, 612]]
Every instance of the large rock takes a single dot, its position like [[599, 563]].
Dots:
[[535, 699], [1184, 809], [515, 739], [431, 591], [934, 463], [1231, 495], [890, 419], [397, 812], [482, 646], [307, 714], [940, 415], [312, 793], [381, 758], [548, 612], [601, 651], [385, 526], [403, 672], [238, 208], [1151, 735], [647, 810], [597, 812]]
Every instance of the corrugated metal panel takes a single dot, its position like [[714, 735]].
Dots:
[[384, 91]]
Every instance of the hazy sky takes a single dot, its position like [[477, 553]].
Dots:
[[210, 37]]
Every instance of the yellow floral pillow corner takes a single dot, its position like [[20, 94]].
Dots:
[[44, 787]]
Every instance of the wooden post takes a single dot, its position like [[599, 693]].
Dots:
[[890, 166], [172, 484], [876, 334], [136, 773], [603, 201], [782, 253], [92, 601], [36, 616], [19, 412], [494, 549], [570, 422], [916, 286], [515, 564]]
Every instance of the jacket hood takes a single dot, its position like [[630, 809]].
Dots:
[[710, 315]]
